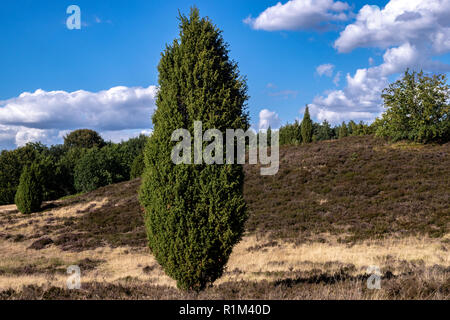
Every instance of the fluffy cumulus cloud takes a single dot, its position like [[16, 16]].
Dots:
[[412, 33], [268, 119], [325, 69], [124, 135], [360, 100], [301, 15], [7, 137], [400, 21], [46, 116]]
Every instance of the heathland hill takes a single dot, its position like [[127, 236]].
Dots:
[[334, 209]]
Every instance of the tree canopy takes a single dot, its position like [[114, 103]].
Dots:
[[417, 108]]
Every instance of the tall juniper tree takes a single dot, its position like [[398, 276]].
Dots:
[[307, 127], [194, 214]]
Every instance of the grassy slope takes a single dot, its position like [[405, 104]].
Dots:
[[333, 208]]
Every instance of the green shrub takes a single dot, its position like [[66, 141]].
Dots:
[[194, 214], [290, 134], [98, 168], [137, 169], [29, 193], [417, 109], [12, 164], [56, 180], [90, 171], [131, 149]]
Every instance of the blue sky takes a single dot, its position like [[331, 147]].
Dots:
[[335, 56]]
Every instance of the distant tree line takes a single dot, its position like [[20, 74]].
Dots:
[[309, 131], [417, 108], [83, 163]]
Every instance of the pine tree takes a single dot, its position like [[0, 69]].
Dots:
[[307, 127], [297, 128], [28, 198], [352, 128], [194, 214], [324, 131], [343, 131]]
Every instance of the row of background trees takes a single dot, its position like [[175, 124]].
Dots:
[[83, 163], [417, 109], [308, 131]]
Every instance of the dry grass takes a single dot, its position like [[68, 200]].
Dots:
[[284, 257], [50, 264], [254, 261]]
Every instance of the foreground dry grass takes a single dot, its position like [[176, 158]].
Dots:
[[103, 233], [412, 268]]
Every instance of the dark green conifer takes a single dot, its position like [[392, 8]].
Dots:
[[194, 214], [307, 127], [28, 197], [343, 130]]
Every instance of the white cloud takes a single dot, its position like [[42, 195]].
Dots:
[[337, 78], [114, 109], [268, 119], [7, 137], [400, 21], [360, 100], [17, 136], [46, 116], [300, 15], [325, 69], [123, 135], [25, 135], [285, 94]]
